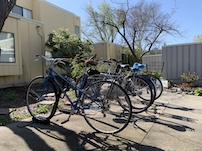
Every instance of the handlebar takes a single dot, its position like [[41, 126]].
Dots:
[[110, 61], [53, 61]]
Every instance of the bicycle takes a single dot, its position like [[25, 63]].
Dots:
[[99, 103], [139, 89], [156, 84], [138, 86]]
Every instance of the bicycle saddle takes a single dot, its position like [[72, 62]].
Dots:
[[138, 66], [91, 62]]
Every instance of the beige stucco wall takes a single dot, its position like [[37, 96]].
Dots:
[[30, 37], [12, 25], [54, 18], [105, 50], [28, 43]]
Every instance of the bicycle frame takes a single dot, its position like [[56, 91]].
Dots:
[[52, 77]]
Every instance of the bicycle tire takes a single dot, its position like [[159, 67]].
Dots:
[[159, 85], [90, 80], [41, 99], [140, 92], [152, 84], [102, 110]]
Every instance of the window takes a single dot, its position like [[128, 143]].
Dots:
[[7, 47], [17, 10], [27, 13], [77, 30], [22, 12], [48, 55], [124, 58]]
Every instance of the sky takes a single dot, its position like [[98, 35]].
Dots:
[[188, 15]]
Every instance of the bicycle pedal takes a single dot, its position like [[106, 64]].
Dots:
[[66, 111]]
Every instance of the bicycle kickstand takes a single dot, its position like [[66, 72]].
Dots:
[[67, 111]]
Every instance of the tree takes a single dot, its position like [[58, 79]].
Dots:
[[5, 7], [140, 25], [95, 28], [197, 38], [66, 45]]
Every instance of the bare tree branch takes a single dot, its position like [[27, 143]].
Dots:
[[5, 7], [141, 25]]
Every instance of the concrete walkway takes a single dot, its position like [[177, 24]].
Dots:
[[173, 123]]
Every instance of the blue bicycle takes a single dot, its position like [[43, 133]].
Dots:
[[99, 103]]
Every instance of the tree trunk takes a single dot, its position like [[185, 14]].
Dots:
[[5, 7]]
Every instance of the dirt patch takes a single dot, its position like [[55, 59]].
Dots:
[[13, 104], [13, 100]]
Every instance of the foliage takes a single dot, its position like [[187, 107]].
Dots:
[[158, 74], [131, 59], [189, 77], [95, 28], [198, 91], [5, 120], [77, 66], [170, 84], [103, 67], [43, 109], [67, 45]]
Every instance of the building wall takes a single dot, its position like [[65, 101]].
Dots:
[[153, 62], [107, 50], [28, 43], [182, 58], [30, 36], [54, 18], [101, 50]]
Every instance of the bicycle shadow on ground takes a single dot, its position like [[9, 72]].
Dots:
[[155, 115], [46, 137], [39, 137], [170, 124], [98, 141], [170, 106]]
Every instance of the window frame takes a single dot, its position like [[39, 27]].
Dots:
[[23, 12], [17, 12], [77, 30], [124, 58], [14, 50]]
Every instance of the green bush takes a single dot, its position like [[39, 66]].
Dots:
[[198, 91], [189, 78], [155, 73], [66, 45]]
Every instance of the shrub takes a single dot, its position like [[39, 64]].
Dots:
[[66, 45], [198, 91], [189, 78], [155, 73]]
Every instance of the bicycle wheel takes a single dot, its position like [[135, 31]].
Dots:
[[158, 84], [41, 99], [151, 83], [140, 92], [90, 80], [102, 109]]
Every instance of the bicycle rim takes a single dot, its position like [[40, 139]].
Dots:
[[102, 108], [142, 95], [151, 83], [41, 99], [159, 86]]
